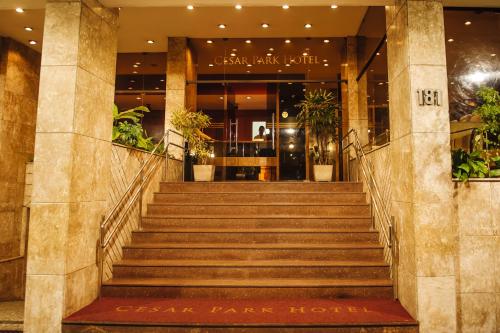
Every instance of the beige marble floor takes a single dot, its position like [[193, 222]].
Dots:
[[11, 316]]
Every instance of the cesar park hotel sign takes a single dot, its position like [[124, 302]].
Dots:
[[287, 60]]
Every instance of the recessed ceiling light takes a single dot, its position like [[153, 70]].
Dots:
[[288, 41], [334, 6], [279, 70], [162, 80], [249, 65], [378, 53], [210, 41], [493, 54], [138, 98], [326, 65], [32, 42], [222, 26], [249, 97], [305, 53], [287, 65], [28, 28], [381, 83], [150, 41], [238, 7], [285, 6], [190, 7], [233, 54], [19, 10], [134, 72], [210, 65], [157, 88], [269, 54], [221, 97], [325, 60], [248, 41], [265, 25], [451, 40], [248, 71], [271, 49], [468, 22], [138, 63], [135, 65], [130, 88], [308, 26], [326, 41]]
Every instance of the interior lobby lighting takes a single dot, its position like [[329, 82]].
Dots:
[[287, 65], [28, 28], [288, 41], [451, 40], [279, 71], [19, 10], [138, 98], [326, 65], [493, 54], [326, 41], [265, 25], [233, 54], [308, 26], [130, 88], [468, 22], [190, 7], [271, 49], [285, 6], [305, 53], [135, 65], [157, 88], [238, 7], [269, 54], [32, 42], [334, 6], [249, 97], [221, 97], [249, 65], [210, 65], [135, 72], [248, 41], [210, 41], [222, 26], [150, 41]]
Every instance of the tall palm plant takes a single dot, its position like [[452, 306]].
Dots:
[[319, 111]]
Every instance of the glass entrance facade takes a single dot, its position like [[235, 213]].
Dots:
[[250, 89]]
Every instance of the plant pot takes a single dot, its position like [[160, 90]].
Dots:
[[204, 173], [323, 173]]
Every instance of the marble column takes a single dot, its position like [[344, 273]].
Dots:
[[421, 164], [176, 76], [356, 91], [72, 160]]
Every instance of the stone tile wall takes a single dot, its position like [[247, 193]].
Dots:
[[19, 78], [477, 258]]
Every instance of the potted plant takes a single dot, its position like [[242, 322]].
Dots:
[[319, 111], [191, 124], [128, 130]]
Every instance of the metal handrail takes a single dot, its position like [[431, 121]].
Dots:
[[387, 222], [134, 192]]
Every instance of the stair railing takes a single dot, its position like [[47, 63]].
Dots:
[[381, 219], [114, 224]]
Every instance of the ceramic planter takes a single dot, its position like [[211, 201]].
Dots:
[[204, 173], [323, 173]]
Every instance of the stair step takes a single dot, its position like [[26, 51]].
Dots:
[[242, 251], [207, 235], [261, 187], [247, 288], [265, 197], [283, 209], [237, 269], [262, 222]]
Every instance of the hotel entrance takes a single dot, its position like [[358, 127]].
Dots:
[[251, 90]]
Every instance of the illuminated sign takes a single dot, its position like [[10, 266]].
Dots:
[[267, 60]]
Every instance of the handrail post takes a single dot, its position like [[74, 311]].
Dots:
[[141, 189], [100, 256]]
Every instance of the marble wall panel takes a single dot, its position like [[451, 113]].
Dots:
[[436, 304], [81, 288], [478, 313]]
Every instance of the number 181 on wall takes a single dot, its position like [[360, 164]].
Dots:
[[429, 97]]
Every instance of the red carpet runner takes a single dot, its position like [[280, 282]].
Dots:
[[164, 311]]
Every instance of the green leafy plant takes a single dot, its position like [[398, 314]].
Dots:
[[190, 124], [467, 165], [319, 111], [489, 111], [127, 129]]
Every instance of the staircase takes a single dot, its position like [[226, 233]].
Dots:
[[249, 240]]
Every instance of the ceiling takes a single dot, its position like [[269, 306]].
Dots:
[[157, 19]]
